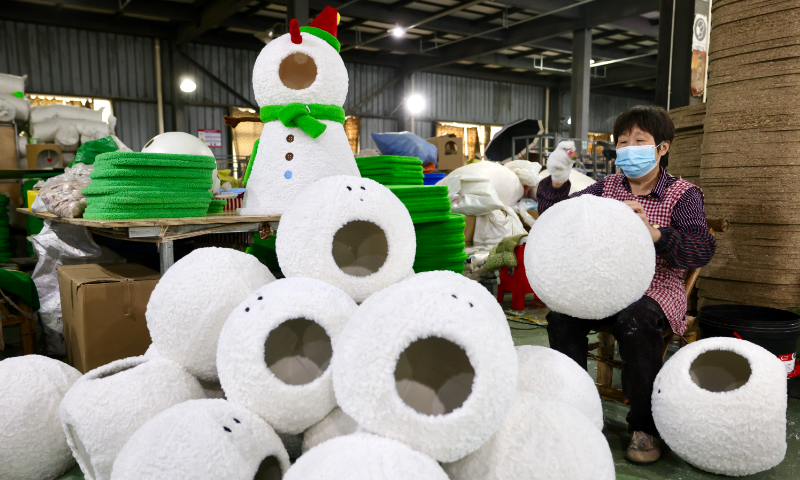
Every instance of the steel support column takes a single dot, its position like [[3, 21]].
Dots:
[[297, 9], [581, 83]]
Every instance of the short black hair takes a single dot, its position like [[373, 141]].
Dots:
[[653, 119]]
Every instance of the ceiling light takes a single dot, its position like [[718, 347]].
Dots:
[[398, 31], [188, 85], [415, 104]]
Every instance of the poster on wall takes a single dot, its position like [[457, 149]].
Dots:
[[699, 52], [212, 138]]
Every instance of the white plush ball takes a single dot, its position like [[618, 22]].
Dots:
[[539, 440], [32, 443], [720, 404], [589, 257], [180, 143], [429, 362], [274, 351], [192, 301], [203, 440], [553, 375], [309, 72], [336, 424], [108, 404], [362, 456], [360, 238]]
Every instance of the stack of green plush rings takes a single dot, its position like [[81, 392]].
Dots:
[[133, 185]]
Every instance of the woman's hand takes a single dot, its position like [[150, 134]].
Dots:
[[639, 210]]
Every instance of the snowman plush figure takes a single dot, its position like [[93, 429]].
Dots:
[[300, 83]]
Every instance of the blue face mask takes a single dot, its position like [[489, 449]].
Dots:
[[638, 160]]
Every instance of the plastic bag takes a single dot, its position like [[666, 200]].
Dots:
[[90, 150], [62, 194], [505, 181], [527, 172], [497, 225], [406, 144], [522, 207], [56, 245], [470, 195]]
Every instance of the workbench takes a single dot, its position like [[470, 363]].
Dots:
[[164, 231]]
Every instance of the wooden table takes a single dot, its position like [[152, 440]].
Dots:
[[164, 231]]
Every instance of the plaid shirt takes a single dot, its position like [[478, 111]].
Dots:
[[686, 243]]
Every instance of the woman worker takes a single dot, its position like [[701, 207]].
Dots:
[[672, 209]]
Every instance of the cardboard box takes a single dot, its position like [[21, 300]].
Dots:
[[8, 148], [469, 229], [451, 152], [42, 156], [103, 308]]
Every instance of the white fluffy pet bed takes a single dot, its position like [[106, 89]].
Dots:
[[553, 375], [539, 440], [203, 440], [429, 362], [274, 351], [311, 72], [351, 232], [192, 301], [335, 424], [613, 266], [32, 443], [720, 404], [108, 404], [362, 456]]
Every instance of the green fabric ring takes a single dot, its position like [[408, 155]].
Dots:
[[164, 213], [172, 173], [144, 159], [163, 183]]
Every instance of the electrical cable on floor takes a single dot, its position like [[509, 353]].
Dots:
[[534, 323]]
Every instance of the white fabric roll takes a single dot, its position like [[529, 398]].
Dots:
[[614, 269], [360, 238], [275, 348], [46, 130], [203, 440], [429, 362], [192, 301], [539, 440], [108, 404], [335, 424], [553, 375], [362, 456], [7, 111], [32, 443], [12, 83], [68, 137], [720, 404], [71, 112], [22, 106]]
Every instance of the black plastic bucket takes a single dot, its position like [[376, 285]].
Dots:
[[775, 330]]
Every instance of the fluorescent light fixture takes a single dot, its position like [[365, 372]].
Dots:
[[415, 103], [188, 85], [569, 120], [398, 31]]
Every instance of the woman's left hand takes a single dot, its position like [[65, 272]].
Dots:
[[639, 210]]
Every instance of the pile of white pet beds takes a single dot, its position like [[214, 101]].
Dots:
[[421, 380]]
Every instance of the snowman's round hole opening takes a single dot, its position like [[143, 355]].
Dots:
[[80, 450], [298, 71], [269, 469], [450, 148], [434, 376], [360, 248], [720, 370], [298, 351]]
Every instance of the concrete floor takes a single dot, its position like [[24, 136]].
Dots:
[[670, 467]]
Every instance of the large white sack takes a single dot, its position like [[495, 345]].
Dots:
[[46, 112], [68, 137], [7, 111], [22, 106], [577, 180], [12, 83], [46, 131], [505, 182]]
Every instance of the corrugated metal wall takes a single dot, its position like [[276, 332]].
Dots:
[[603, 109]]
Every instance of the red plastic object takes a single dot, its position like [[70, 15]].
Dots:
[[515, 282]]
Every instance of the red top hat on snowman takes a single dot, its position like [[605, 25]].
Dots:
[[324, 27]]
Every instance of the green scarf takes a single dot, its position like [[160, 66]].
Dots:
[[305, 117]]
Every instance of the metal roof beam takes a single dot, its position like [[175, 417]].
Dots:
[[209, 16]]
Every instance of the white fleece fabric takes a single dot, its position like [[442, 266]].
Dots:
[[244, 373], [12, 83], [203, 440], [616, 263], [539, 440], [21, 106], [362, 456], [553, 375], [46, 112], [47, 130], [193, 300], [305, 246], [504, 180], [32, 443], [431, 304], [277, 178], [108, 404], [335, 424], [736, 432]]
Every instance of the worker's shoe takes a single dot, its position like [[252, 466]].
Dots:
[[644, 448]]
